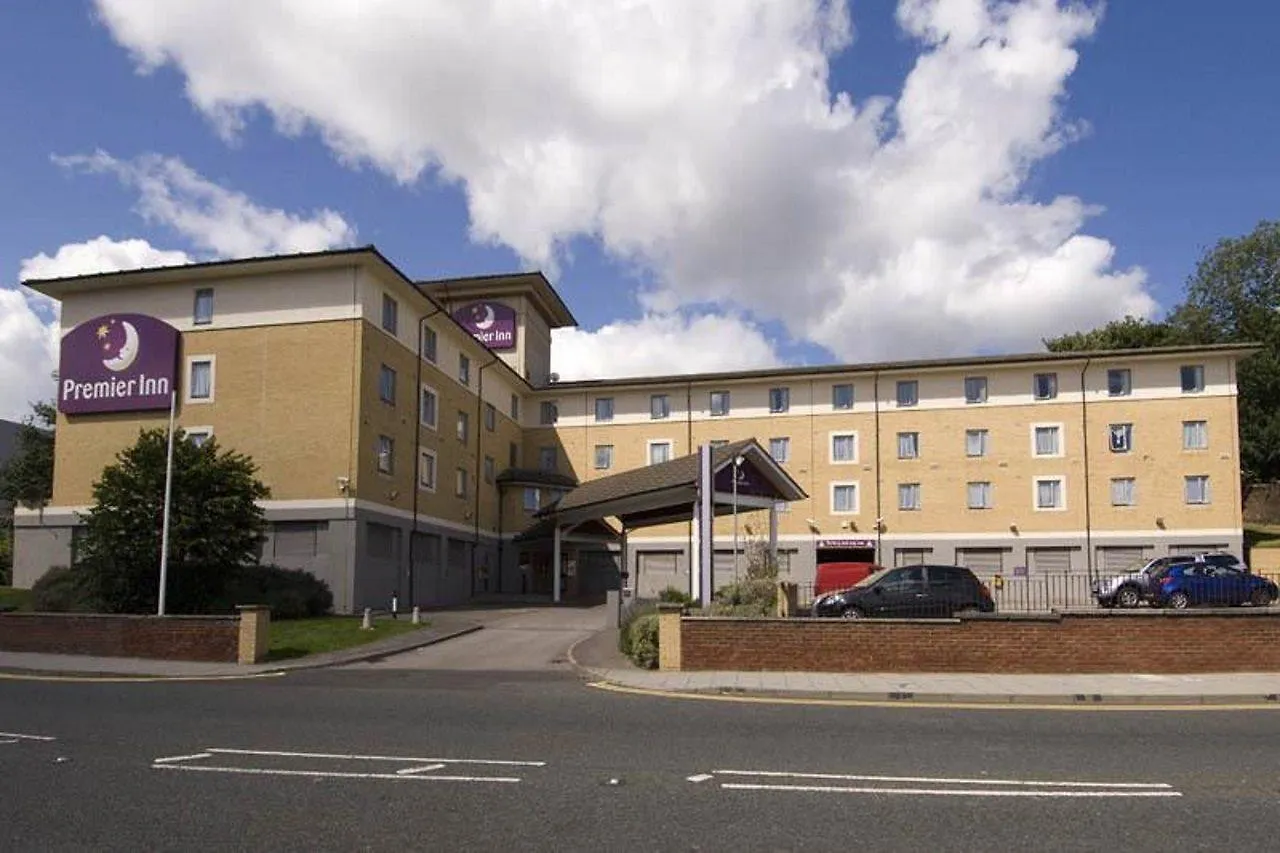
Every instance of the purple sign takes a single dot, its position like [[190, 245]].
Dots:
[[491, 323], [846, 543], [750, 480], [117, 363]]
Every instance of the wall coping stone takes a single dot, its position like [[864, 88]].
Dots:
[[203, 617]]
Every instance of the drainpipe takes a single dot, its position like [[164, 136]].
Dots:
[[879, 510], [688, 439], [417, 449], [479, 477], [1088, 516]]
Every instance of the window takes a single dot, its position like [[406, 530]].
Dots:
[[490, 417], [842, 396], [1192, 378], [844, 498], [1120, 438], [908, 496], [908, 445], [1049, 493], [1119, 382], [1122, 491], [781, 506], [198, 435], [387, 385], [464, 426], [604, 409], [428, 407], [1196, 489], [604, 457], [430, 344], [780, 449], [975, 389], [513, 455], [464, 369], [386, 449], [427, 471], [976, 442], [979, 494], [1045, 386], [1195, 435], [659, 407], [719, 403], [844, 447], [532, 499], [546, 459], [908, 392], [659, 451], [489, 466], [460, 483], [390, 314], [548, 413], [202, 313], [515, 407], [779, 400], [200, 379], [1047, 440]]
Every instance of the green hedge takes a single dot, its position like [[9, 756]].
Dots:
[[642, 641]]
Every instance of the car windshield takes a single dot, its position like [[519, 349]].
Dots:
[[871, 579]]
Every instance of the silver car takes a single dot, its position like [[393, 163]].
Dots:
[[1134, 585]]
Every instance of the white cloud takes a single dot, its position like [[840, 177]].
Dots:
[[28, 353], [701, 141], [101, 254], [214, 218], [660, 344]]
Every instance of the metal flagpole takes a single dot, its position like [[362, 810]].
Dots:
[[168, 491]]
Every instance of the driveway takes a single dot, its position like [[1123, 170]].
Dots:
[[513, 639]]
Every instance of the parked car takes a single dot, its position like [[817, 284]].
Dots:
[[1139, 582], [909, 592], [831, 577], [1204, 583]]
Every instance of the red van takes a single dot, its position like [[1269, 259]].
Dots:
[[837, 576]]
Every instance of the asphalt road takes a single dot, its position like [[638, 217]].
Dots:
[[379, 760]]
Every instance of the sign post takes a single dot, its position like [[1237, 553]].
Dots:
[[706, 524], [168, 492]]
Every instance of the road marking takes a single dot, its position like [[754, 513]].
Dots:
[[332, 774], [943, 792], [408, 771], [27, 737], [182, 757], [931, 780], [355, 757], [701, 777]]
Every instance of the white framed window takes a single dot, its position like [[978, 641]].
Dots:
[[390, 314], [844, 499], [427, 470], [1049, 493], [1192, 376], [513, 455], [908, 445], [1124, 491], [489, 466], [547, 458], [844, 447], [490, 417], [1195, 435], [979, 494], [548, 413], [604, 457], [719, 404], [975, 389], [908, 496], [202, 310], [1119, 382], [464, 369], [464, 427], [1120, 437], [430, 344], [1046, 440], [908, 392], [977, 442], [780, 449], [386, 454], [428, 407], [779, 400], [659, 407], [1195, 489], [460, 483], [1045, 386], [659, 451], [198, 435], [201, 373], [842, 396], [515, 408], [604, 409], [532, 499], [387, 385]]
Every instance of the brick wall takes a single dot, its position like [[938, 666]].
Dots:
[[197, 638], [1155, 642]]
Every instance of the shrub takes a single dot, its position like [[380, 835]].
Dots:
[[290, 593], [624, 627], [644, 641], [675, 595], [63, 590]]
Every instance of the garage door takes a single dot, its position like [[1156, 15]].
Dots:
[[1045, 560], [658, 570], [910, 556], [724, 566], [981, 560], [1115, 558], [1195, 549]]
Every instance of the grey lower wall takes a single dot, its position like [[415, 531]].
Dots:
[[38, 549]]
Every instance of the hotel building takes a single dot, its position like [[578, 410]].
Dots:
[[410, 433]]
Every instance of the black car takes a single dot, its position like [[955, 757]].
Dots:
[[909, 592]]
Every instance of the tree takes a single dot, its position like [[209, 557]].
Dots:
[[215, 524], [27, 477]]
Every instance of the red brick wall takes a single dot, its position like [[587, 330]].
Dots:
[[1156, 642], [199, 638]]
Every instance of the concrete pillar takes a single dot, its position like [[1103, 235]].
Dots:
[[695, 557], [773, 532], [669, 616], [555, 566], [255, 632]]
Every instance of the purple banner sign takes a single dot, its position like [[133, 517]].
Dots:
[[750, 480], [117, 363], [491, 323], [846, 543]]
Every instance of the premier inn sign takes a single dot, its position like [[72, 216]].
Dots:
[[117, 363], [491, 323]]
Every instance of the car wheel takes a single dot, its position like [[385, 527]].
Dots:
[[851, 613], [1127, 596], [1260, 597], [1179, 601]]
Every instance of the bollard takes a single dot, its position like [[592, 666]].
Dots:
[[367, 624], [417, 615]]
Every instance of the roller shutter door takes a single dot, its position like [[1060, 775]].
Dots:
[[658, 570], [910, 556], [1179, 550], [1117, 558], [1049, 560], [981, 560], [724, 566]]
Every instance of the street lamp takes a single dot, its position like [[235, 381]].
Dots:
[[737, 466]]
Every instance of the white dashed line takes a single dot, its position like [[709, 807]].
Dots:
[[17, 736]]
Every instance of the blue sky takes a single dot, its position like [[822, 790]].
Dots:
[[1179, 107]]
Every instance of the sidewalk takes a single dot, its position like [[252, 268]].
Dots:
[[599, 660]]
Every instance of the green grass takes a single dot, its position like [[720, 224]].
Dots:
[[14, 599], [294, 638]]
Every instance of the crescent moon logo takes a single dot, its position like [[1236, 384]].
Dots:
[[487, 322], [128, 353]]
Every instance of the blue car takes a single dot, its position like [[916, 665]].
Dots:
[[1192, 584]]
